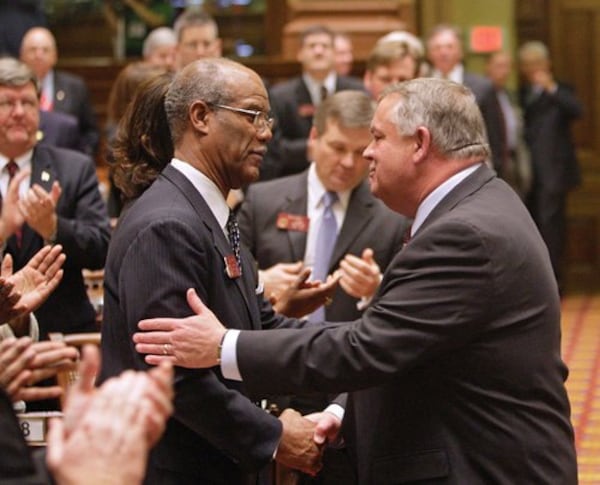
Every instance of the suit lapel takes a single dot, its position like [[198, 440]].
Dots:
[[220, 242], [296, 203], [42, 174], [60, 93], [358, 215]]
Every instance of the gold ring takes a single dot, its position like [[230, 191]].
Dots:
[[328, 300], [165, 349]]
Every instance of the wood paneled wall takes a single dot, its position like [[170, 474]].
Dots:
[[571, 29]]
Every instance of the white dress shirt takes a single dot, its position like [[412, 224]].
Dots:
[[24, 163], [457, 74], [208, 189]]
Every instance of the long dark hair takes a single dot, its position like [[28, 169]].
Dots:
[[143, 144]]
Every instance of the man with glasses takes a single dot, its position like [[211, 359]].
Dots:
[[180, 233], [59, 202]]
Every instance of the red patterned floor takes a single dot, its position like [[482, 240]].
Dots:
[[581, 352]]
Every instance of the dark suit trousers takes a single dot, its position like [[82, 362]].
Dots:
[[548, 210]]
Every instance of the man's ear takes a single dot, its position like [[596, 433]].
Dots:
[[422, 144], [199, 116]]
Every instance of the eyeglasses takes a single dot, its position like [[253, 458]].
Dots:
[[260, 119]]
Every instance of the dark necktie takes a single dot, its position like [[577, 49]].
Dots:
[[406, 236], [233, 231], [324, 92], [12, 168], [326, 238]]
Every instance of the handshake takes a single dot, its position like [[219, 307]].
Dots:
[[303, 439]]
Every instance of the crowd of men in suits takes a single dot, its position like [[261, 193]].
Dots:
[[312, 141]]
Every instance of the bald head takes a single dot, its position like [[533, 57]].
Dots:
[[38, 51], [214, 81]]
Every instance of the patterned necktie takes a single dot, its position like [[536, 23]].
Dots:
[[12, 168], [326, 238], [233, 231]]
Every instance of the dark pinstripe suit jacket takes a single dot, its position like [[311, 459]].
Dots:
[[454, 370], [166, 242]]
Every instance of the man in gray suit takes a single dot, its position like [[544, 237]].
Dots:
[[280, 219], [454, 370]]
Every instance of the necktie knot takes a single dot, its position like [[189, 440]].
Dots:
[[324, 92], [233, 231], [329, 198], [12, 168]]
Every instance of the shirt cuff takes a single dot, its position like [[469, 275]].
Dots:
[[363, 303], [229, 365], [337, 410]]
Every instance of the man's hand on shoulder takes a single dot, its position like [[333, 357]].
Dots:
[[191, 342]]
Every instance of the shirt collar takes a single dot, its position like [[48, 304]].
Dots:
[[314, 86], [316, 189], [208, 189], [434, 198], [457, 74], [23, 161]]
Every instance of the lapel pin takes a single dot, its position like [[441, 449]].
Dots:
[[60, 95], [232, 268], [45, 176]]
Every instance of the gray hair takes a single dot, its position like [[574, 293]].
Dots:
[[194, 18], [416, 46], [447, 109], [162, 36], [209, 80], [14, 73], [535, 49], [351, 109]]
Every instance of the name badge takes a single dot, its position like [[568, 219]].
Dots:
[[232, 268], [292, 222], [306, 110]]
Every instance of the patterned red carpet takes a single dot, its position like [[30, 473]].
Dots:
[[581, 352]]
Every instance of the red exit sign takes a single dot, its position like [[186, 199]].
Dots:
[[485, 38]]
